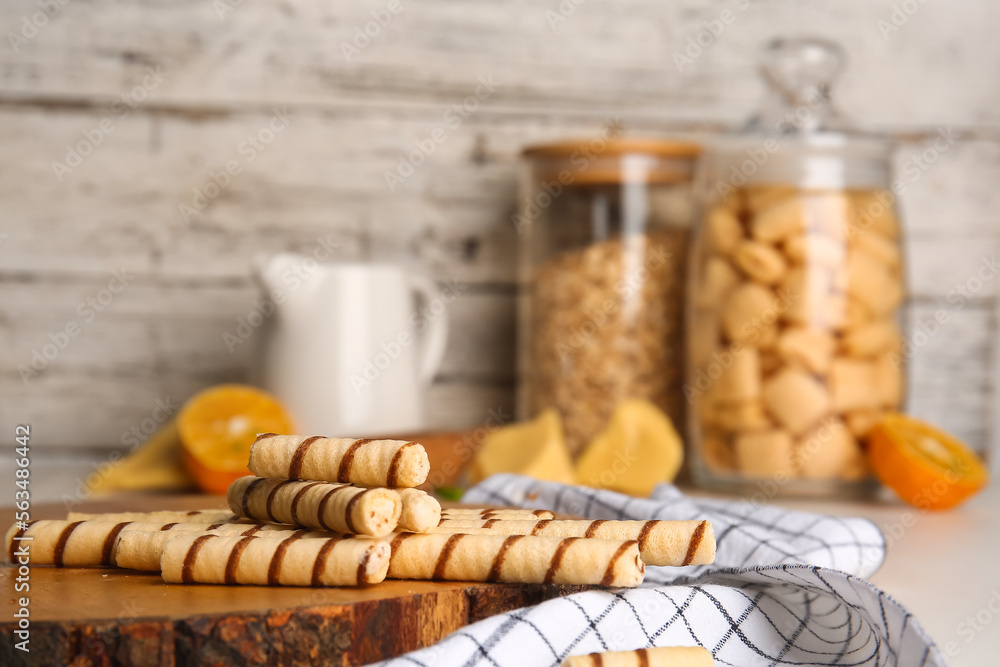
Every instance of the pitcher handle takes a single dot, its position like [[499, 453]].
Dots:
[[435, 333]]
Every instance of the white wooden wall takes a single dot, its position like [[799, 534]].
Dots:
[[224, 72]]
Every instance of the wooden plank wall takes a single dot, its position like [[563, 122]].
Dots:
[[211, 73]]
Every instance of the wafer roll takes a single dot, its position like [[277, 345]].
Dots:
[[474, 513], [392, 463], [515, 559], [139, 545], [342, 508], [661, 656], [194, 516], [660, 542], [94, 543], [139, 549], [66, 543], [228, 528], [421, 511], [289, 561]]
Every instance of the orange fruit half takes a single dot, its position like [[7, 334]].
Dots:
[[924, 465], [217, 427]]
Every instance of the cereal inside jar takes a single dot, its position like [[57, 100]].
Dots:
[[795, 295], [603, 226]]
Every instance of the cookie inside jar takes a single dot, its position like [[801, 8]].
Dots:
[[795, 358]]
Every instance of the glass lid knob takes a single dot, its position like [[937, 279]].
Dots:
[[799, 73]]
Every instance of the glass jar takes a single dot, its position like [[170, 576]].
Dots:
[[604, 231], [795, 293]]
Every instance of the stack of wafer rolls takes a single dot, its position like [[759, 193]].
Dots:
[[347, 485], [675, 543], [451, 557], [343, 512], [475, 554], [457, 557]]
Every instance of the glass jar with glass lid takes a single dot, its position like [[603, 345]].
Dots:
[[795, 291]]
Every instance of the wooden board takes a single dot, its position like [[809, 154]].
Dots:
[[109, 616]]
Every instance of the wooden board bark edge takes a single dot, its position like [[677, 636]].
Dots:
[[355, 634]]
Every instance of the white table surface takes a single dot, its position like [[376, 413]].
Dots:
[[943, 566]]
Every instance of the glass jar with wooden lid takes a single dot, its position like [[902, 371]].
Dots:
[[603, 228]]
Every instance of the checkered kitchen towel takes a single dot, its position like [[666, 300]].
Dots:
[[786, 588]]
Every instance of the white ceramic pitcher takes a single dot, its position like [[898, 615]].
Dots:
[[351, 348]]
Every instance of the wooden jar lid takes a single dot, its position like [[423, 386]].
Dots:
[[600, 171], [612, 147]]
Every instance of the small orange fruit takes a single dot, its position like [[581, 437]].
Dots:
[[927, 467], [217, 427]]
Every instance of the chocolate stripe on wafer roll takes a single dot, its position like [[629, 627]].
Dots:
[[193, 516], [140, 549], [390, 463], [661, 656], [536, 560], [287, 561], [484, 514], [229, 528], [69, 543], [342, 508], [421, 511], [14, 535], [660, 542]]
